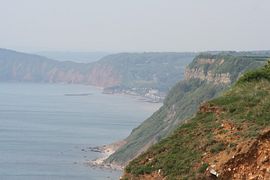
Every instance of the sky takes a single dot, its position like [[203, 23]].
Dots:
[[134, 25]]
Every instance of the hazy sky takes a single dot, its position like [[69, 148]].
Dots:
[[135, 25]]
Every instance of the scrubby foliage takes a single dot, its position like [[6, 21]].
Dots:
[[246, 105], [182, 102], [263, 73]]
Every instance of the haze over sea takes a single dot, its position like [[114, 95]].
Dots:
[[43, 131]]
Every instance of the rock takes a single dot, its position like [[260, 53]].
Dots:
[[223, 78], [213, 172], [264, 159]]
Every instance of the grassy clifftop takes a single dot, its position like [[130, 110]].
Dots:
[[203, 82], [229, 138]]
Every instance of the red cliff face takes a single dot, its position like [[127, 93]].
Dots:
[[70, 76], [101, 75]]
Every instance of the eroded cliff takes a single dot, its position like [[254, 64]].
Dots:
[[229, 138], [140, 71], [205, 78]]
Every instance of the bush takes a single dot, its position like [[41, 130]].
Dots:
[[144, 169], [203, 168], [217, 148], [263, 73]]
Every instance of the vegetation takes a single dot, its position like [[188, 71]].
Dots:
[[149, 70], [235, 63], [245, 107], [263, 73], [128, 70], [182, 102]]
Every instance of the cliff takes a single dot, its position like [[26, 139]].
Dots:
[[205, 78], [126, 70], [229, 138], [149, 70], [22, 67]]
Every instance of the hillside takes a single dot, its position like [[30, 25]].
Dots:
[[205, 78], [152, 70], [137, 73], [23, 67], [229, 138]]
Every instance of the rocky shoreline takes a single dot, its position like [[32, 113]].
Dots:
[[106, 151]]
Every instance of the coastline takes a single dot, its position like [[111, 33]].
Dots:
[[105, 151], [146, 95]]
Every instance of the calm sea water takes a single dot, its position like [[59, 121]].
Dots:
[[43, 132]]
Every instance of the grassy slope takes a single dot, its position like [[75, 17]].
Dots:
[[182, 155], [182, 102]]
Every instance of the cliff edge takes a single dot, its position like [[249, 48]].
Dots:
[[229, 138]]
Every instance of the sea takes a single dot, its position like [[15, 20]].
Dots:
[[46, 129]]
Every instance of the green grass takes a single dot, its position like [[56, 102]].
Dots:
[[203, 168], [263, 73], [176, 155], [217, 148], [183, 101], [247, 102]]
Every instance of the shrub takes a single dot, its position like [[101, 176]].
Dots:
[[144, 169], [203, 168], [217, 148], [263, 73]]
